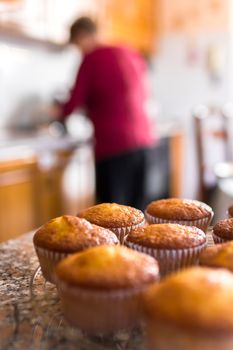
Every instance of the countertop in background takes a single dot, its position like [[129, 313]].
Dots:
[[15, 144]]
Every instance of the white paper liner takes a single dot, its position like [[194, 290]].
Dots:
[[200, 223], [170, 260], [121, 232], [48, 260], [100, 311], [86, 293], [219, 240]]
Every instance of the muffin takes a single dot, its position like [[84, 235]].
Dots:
[[220, 255], [181, 211], [230, 211], [174, 246], [67, 235], [191, 310], [223, 231], [121, 219], [101, 288]]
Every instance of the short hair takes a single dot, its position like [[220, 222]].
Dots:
[[82, 26]]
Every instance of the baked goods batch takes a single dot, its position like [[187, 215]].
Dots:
[[114, 269], [223, 231], [191, 310], [121, 219], [174, 246], [100, 289], [66, 235], [218, 256], [180, 211]]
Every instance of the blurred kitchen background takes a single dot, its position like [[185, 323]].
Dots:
[[188, 46]]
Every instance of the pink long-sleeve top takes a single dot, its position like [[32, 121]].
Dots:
[[110, 86]]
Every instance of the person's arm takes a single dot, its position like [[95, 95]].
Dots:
[[78, 94]]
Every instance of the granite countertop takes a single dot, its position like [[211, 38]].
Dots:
[[30, 314]]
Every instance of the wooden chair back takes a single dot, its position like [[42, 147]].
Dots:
[[212, 142]]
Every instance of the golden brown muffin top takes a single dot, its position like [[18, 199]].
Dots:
[[220, 255], [230, 210], [224, 229], [197, 298], [167, 236], [70, 234], [178, 209], [112, 215], [108, 267]]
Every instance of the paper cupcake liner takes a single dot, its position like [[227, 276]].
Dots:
[[121, 232], [170, 260], [100, 311], [200, 223], [48, 261], [219, 240]]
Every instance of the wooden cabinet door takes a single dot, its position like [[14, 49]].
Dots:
[[130, 22], [78, 182], [68, 186], [17, 198], [194, 17], [31, 194]]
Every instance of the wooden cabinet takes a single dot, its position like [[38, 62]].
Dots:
[[17, 197], [192, 17], [34, 190], [138, 23], [65, 182], [176, 158], [132, 22]]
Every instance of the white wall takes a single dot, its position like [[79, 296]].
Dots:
[[179, 85], [29, 78]]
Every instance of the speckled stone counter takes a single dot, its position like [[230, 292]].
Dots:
[[30, 314]]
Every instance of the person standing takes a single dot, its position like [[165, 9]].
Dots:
[[110, 86]]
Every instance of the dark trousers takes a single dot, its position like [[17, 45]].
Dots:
[[129, 178]]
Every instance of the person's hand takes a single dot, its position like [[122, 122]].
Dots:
[[55, 112]]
